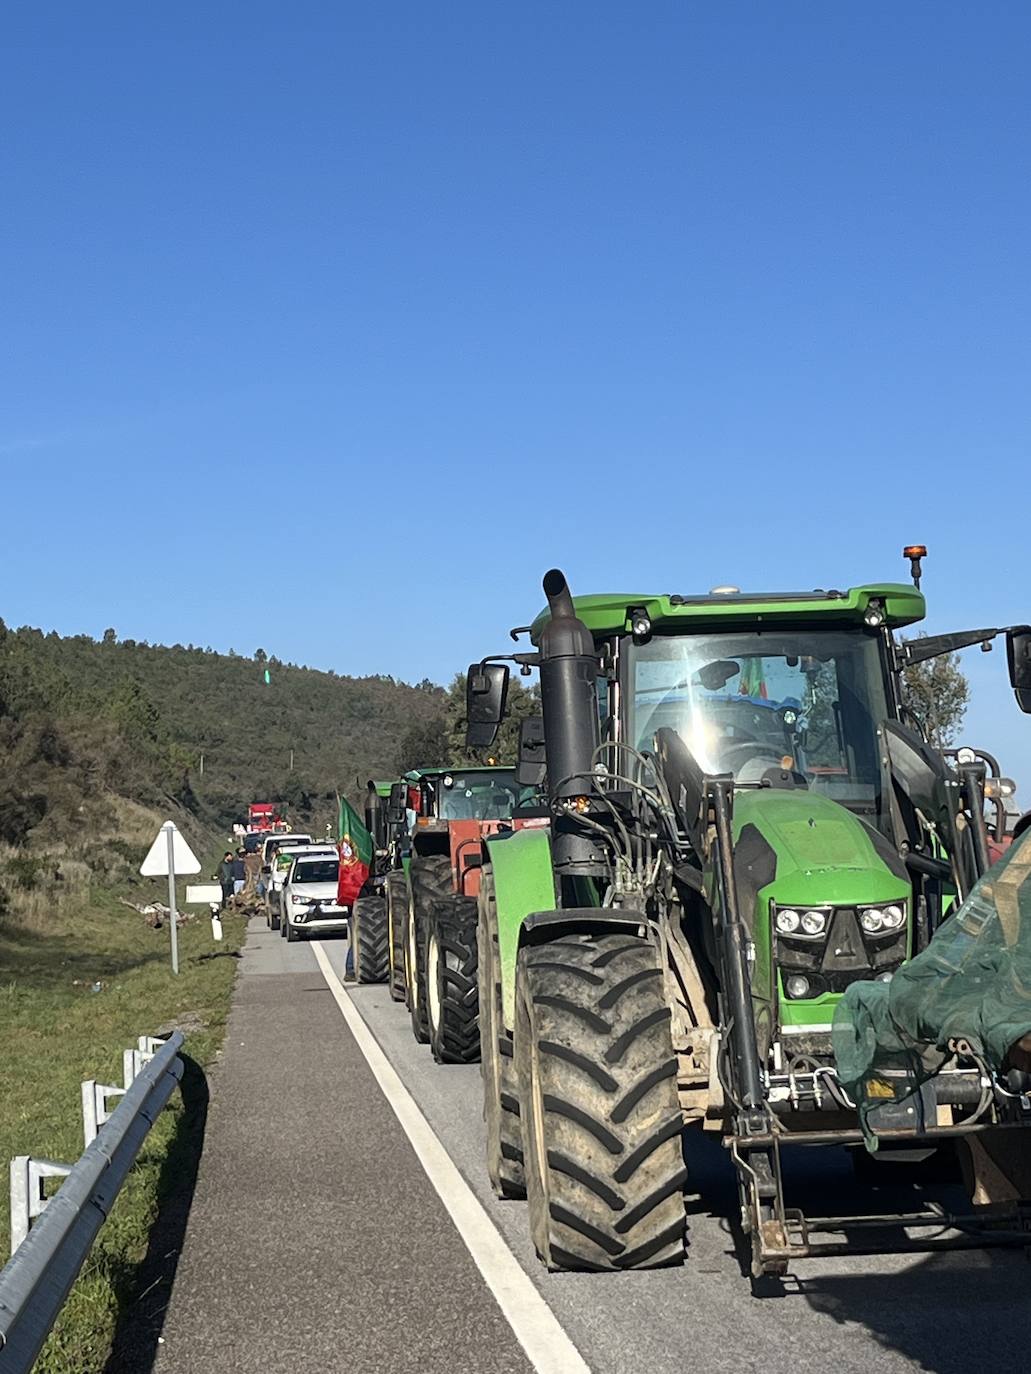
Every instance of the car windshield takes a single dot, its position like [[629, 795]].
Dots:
[[316, 871], [289, 842], [806, 700], [480, 796]]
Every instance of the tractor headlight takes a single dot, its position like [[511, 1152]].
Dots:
[[801, 924], [796, 985], [883, 920], [814, 922]]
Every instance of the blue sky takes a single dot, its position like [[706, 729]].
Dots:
[[328, 328]]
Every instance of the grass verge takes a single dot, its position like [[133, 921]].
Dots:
[[72, 996]]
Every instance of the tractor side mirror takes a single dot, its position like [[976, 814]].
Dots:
[[1018, 656], [486, 689], [532, 764]]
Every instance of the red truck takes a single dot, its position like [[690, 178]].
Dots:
[[263, 816]]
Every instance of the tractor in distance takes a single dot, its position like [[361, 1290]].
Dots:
[[454, 810], [370, 930], [742, 824]]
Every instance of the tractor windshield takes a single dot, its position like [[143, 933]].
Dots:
[[479, 796], [805, 700]]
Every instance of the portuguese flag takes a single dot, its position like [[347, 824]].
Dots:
[[355, 847], [752, 683]]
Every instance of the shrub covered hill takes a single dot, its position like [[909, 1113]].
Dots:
[[87, 724]]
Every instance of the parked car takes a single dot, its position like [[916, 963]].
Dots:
[[273, 872], [309, 896], [280, 872]]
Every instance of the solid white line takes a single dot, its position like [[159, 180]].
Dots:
[[536, 1327]]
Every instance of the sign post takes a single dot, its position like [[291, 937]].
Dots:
[[169, 830], [169, 855]]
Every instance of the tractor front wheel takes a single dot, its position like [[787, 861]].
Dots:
[[451, 996], [601, 1121], [429, 881], [396, 888], [497, 1070], [369, 933]]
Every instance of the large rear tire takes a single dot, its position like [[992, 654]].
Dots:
[[451, 993], [497, 1069], [396, 888], [601, 1120], [429, 880], [369, 932]]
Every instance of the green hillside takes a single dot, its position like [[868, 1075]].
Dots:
[[83, 722]]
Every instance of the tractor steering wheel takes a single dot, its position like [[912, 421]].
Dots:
[[750, 749]]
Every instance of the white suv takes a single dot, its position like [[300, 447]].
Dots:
[[275, 864], [309, 897]]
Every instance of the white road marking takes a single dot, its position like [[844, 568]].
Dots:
[[536, 1327]]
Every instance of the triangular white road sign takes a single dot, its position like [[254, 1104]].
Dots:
[[155, 865]]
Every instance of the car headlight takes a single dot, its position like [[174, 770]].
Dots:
[[814, 922], [787, 922], [299, 901]]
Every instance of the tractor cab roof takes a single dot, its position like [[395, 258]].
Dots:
[[611, 612], [414, 774]]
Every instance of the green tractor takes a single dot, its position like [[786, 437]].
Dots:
[[370, 923], [743, 824], [453, 810]]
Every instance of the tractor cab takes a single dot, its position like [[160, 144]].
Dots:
[[455, 807]]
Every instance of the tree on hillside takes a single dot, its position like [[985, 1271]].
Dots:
[[110, 636], [522, 702], [132, 710], [937, 692], [424, 746], [260, 656]]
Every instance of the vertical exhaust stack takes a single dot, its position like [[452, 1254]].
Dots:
[[569, 704]]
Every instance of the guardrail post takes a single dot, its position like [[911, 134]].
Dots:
[[133, 1060], [95, 1110], [27, 1197]]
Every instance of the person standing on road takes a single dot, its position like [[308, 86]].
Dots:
[[239, 873], [225, 877]]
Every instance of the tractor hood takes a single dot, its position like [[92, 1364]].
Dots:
[[802, 849]]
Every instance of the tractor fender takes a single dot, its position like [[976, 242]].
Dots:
[[523, 884], [541, 927]]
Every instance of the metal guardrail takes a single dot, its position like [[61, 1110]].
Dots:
[[46, 1259]]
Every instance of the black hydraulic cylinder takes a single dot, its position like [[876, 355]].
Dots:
[[737, 991], [569, 705], [973, 777]]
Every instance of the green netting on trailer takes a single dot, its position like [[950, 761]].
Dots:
[[972, 982]]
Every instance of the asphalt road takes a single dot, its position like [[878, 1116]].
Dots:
[[299, 1254], [315, 1242]]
